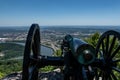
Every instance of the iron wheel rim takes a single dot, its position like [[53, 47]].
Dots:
[[32, 51], [107, 51]]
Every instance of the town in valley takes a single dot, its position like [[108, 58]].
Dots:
[[50, 36]]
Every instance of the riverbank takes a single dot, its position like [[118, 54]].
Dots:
[[13, 57], [45, 50]]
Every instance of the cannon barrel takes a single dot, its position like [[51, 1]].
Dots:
[[80, 60], [81, 50]]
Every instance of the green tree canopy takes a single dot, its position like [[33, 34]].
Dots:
[[93, 40]]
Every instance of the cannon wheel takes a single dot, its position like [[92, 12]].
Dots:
[[108, 52], [31, 53]]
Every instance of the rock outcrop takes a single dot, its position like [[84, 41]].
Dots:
[[53, 75]]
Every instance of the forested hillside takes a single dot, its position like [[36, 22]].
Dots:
[[9, 52]]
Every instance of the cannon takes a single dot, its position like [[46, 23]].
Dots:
[[81, 61]]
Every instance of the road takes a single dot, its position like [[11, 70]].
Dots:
[[54, 47]]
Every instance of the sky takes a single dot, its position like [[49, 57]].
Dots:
[[59, 12]]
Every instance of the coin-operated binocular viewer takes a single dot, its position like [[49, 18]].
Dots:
[[80, 60]]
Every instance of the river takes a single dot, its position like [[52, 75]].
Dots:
[[47, 51]]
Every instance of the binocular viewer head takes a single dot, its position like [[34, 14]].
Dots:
[[82, 51]]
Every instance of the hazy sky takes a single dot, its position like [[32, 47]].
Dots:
[[59, 12]]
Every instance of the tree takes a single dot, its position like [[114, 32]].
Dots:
[[93, 40], [1, 75], [58, 52]]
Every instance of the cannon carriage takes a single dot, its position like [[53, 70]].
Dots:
[[81, 61]]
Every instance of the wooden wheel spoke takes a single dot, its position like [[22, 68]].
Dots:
[[31, 71], [103, 47], [116, 69], [111, 46], [103, 76], [110, 78], [34, 49], [106, 75], [101, 55], [107, 45], [98, 74], [116, 61], [115, 52], [113, 76]]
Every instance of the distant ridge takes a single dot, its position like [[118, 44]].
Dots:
[[67, 26], [95, 27]]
